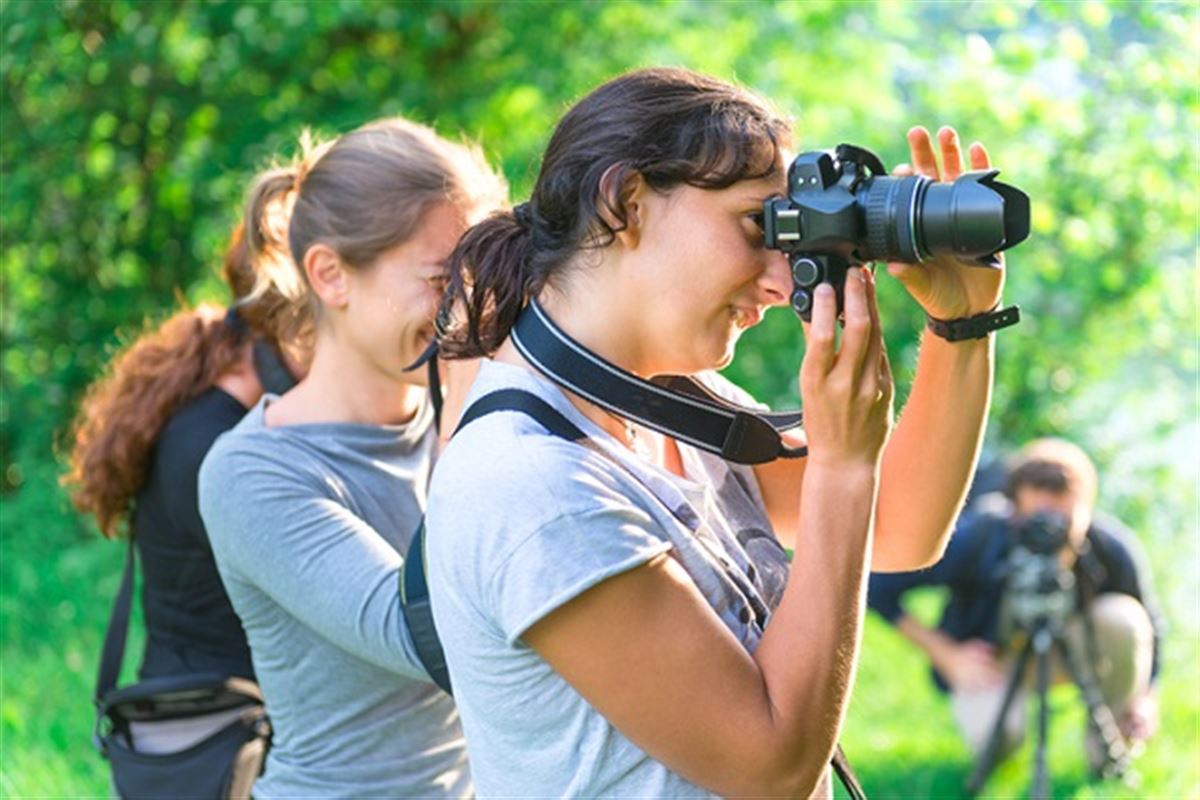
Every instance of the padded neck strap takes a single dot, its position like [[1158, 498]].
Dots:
[[677, 406]]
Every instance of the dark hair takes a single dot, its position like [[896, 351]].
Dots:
[[1053, 465], [670, 126]]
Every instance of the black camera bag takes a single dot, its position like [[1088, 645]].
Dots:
[[223, 765]]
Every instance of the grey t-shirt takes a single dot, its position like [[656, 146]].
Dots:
[[521, 522], [308, 524]]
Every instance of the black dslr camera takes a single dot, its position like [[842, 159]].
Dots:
[[842, 210], [1038, 588]]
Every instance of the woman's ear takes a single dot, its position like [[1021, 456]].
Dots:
[[327, 275], [626, 190]]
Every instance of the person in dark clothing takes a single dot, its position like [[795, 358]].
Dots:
[[145, 426], [191, 626], [968, 653]]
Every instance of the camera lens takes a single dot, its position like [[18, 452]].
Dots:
[[913, 219], [892, 209], [1044, 532]]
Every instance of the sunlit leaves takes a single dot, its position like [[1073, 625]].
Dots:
[[130, 130]]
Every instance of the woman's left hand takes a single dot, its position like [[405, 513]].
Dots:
[[944, 286]]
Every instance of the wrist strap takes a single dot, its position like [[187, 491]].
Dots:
[[976, 327]]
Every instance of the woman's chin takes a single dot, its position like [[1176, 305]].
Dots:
[[716, 358]]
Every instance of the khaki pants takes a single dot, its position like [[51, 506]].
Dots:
[[1124, 653]]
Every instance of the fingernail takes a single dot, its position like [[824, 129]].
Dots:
[[825, 290]]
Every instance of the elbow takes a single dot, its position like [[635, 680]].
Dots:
[[797, 779], [925, 560], [787, 772], [907, 553]]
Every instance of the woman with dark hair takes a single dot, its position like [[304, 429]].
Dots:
[[140, 435], [618, 614], [312, 499]]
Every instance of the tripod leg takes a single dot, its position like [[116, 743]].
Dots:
[[990, 755], [1042, 641], [1099, 716]]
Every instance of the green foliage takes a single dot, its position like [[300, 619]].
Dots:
[[129, 131]]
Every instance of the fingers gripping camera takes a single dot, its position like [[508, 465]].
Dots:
[[842, 210]]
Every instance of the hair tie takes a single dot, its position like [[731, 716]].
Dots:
[[524, 214], [234, 322]]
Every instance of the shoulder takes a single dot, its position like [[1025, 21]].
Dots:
[[1111, 537], [520, 522], [190, 433], [508, 460], [251, 462]]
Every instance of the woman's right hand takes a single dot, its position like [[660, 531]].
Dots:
[[846, 391]]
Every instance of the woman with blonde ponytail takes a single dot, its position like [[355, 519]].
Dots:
[[140, 435], [313, 498]]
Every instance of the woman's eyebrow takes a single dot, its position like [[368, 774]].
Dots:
[[761, 196]]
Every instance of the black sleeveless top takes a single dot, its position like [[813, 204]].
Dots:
[[190, 624]]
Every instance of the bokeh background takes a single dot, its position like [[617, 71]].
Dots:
[[129, 131]]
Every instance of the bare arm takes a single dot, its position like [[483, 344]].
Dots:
[[964, 665], [929, 462], [930, 459], [649, 653]]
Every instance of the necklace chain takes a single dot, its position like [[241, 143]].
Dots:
[[630, 430]]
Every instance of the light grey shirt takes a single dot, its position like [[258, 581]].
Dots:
[[521, 522], [308, 524]]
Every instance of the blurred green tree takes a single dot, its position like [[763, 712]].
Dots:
[[128, 131], [130, 128]]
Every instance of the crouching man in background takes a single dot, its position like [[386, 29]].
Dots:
[[1052, 483]]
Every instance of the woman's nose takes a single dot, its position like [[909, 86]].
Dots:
[[776, 280]]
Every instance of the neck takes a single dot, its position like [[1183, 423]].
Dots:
[[609, 423], [241, 381], [597, 311], [341, 386]]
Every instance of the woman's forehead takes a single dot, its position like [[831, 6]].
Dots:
[[759, 189]]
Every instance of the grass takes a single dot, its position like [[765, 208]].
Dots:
[[57, 587]]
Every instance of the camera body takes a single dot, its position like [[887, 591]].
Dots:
[[842, 210], [1039, 589]]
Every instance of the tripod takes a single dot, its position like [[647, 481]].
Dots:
[[1046, 637]]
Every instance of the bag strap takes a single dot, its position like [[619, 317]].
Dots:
[[414, 578], [526, 402], [118, 628]]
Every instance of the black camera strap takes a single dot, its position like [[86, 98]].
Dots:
[[677, 406], [429, 360]]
